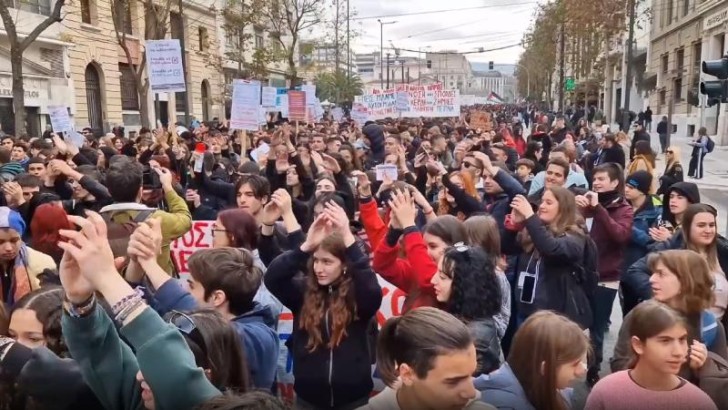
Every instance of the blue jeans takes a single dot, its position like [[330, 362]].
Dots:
[[603, 302]]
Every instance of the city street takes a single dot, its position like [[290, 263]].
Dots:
[[713, 191]]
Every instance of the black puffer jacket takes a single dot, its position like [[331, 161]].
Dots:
[[329, 378]]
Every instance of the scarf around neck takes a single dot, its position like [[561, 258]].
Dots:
[[606, 198]]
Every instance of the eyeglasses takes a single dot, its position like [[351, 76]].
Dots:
[[187, 326]]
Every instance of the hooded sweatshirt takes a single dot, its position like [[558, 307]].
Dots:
[[375, 134]]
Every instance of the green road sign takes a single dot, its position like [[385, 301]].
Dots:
[[570, 84]]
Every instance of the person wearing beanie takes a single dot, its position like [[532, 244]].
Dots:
[[647, 212], [19, 264], [676, 200]]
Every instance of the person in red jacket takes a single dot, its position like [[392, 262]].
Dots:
[[413, 273]]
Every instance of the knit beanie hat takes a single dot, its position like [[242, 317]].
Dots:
[[641, 181], [11, 219]]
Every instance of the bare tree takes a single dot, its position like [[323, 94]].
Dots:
[[288, 19], [156, 14], [17, 48]]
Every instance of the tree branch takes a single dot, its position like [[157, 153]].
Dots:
[[55, 17]]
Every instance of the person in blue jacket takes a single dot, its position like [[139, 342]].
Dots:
[[647, 212], [224, 279]]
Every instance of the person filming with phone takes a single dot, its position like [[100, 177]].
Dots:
[[611, 229], [126, 182]]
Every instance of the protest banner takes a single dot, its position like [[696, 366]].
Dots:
[[338, 114], [481, 120], [200, 237], [296, 106], [402, 101], [245, 111], [164, 61], [422, 101]]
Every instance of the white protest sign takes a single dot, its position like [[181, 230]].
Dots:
[[60, 120], [359, 114], [76, 139], [318, 109], [338, 114], [164, 60], [282, 104], [310, 91], [388, 170], [262, 150], [269, 97], [245, 111]]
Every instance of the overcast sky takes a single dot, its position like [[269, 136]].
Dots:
[[486, 23]]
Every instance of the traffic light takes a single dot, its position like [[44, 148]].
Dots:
[[429, 63], [716, 90], [490, 65]]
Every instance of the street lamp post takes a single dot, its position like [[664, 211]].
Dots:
[[528, 80], [381, 50]]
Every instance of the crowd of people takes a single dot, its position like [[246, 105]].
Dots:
[[511, 246]]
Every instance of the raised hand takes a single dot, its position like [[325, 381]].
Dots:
[[522, 207], [317, 232], [145, 243], [283, 200], [403, 208], [90, 250], [270, 214]]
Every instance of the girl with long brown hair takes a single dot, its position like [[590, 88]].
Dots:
[[548, 353], [659, 343], [681, 279], [698, 233], [332, 310], [551, 246]]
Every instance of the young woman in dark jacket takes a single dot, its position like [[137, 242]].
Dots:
[[467, 284], [332, 312], [551, 247]]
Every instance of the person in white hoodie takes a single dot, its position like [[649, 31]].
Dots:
[[426, 358]]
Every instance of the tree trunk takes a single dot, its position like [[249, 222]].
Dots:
[[143, 92], [292, 72], [16, 62]]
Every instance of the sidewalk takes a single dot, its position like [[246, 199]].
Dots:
[[715, 175]]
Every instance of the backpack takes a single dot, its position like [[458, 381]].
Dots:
[[120, 232], [710, 145], [579, 303], [588, 272]]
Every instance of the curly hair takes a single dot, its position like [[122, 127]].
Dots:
[[476, 290], [341, 307], [47, 303]]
